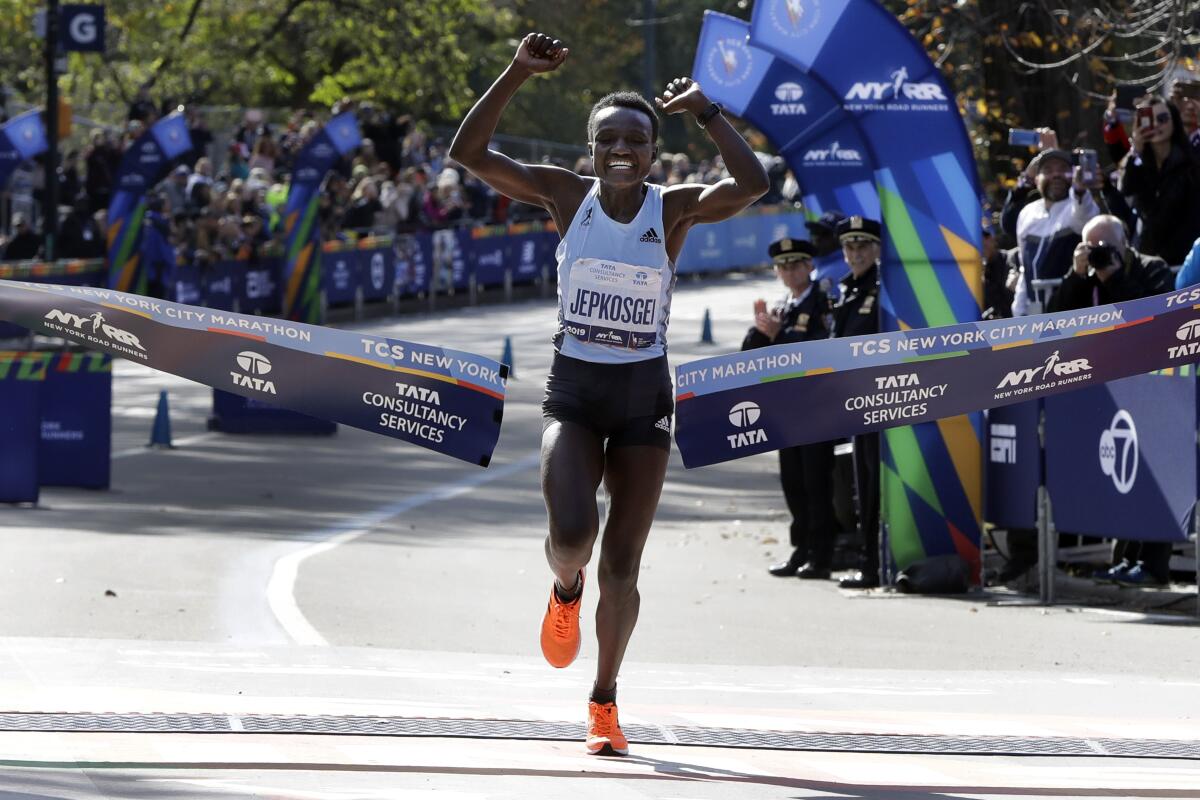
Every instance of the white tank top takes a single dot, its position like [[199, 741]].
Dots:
[[614, 283]]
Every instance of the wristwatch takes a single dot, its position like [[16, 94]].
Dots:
[[705, 116]]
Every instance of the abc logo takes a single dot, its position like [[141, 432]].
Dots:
[[1188, 330], [252, 363], [789, 92], [744, 414], [1119, 452]]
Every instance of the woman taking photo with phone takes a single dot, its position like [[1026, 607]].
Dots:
[[1162, 176]]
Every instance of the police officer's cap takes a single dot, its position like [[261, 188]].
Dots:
[[858, 229], [786, 250]]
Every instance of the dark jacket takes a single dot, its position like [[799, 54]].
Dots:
[[802, 322], [857, 311], [1142, 276], [1167, 199]]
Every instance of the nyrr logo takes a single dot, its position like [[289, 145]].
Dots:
[[834, 155], [730, 61], [252, 366], [788, 95], [1053, 366], [897, 90], [1189, 333], [744, 415], [1119, 452], [92, 327], [794, 18]]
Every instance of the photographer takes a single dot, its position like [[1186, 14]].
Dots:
[[1107, 270]]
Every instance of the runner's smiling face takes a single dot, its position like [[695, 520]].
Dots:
[[623, 149]]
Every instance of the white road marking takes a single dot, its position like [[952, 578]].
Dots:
[[281, 587]]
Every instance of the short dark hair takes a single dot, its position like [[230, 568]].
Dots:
[[624, 99]]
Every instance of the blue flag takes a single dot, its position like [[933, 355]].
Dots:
[[172, 135], [343, 132], [27, 133]]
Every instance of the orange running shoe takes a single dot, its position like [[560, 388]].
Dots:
[[604, 737], [560, 628]]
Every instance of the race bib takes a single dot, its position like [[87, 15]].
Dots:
[[613, 303]]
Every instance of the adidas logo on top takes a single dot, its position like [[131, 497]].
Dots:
[[650, 236]]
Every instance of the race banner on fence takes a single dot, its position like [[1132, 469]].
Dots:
[[444, 400], [745, 403]]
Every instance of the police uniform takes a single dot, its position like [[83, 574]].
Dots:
[[805, 471], [857, 314]]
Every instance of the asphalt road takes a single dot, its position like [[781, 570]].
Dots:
[[362, 547]]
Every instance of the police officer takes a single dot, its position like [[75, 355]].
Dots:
[[806, 471], [857, 314]]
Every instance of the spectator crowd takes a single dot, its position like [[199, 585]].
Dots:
[[222, 203]]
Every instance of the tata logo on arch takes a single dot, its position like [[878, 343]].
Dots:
[[788, 94]]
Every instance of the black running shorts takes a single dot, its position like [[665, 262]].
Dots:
[[627, 404]]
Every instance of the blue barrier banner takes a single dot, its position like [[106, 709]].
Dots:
[[22, 380], [745, 403], [186, 285], [261, 289], [76, 430], [445, 400], [340, 275], [223, 284], [1121, 458], [414, 260], [489, 249], [1014, 464], [376, 269], [526, 255], [738, 242]]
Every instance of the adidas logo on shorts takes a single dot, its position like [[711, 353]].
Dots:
[[664, 424], [650, 236]]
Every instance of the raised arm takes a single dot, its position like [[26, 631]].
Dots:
[[527, 183], [747, 179]]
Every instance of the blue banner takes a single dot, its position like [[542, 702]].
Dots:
[[22, 381], [1014, 468], [144, 164], [76, 427], [1121, 458], [444, 400], [302, 234]]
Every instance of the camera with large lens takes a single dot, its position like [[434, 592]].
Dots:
[[1101, 256]]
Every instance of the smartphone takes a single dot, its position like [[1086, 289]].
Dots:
[[1022, 137], [1089, 162], [1144, 118]]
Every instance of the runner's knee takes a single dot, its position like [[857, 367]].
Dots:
[[618, 575]]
